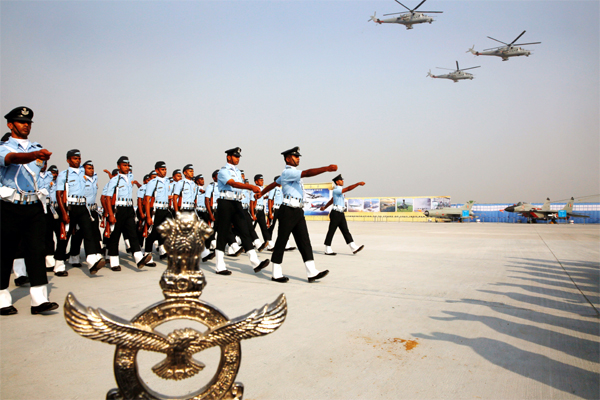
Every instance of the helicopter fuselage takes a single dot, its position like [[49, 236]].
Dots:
[[407, 20], [504, 52], [455, 76]]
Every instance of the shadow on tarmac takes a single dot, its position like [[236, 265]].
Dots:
[[546, 278]]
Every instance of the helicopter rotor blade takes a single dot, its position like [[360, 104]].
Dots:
[[522, 33], [524, 44], [457, 67], [493, 48], [420, 4], [448, 69], [429, 12], [499, 41], [403, 5], [464, 69], [385, 15]]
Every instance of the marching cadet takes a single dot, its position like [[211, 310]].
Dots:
[[184, 191], [200, 200], [247, 197], [156, 208], [291, 215], [337, 218], [70, 194], [103, 201], [231, 212], [121, 216], [184, 197], [176, 177], [141, 216], [91, 190], [52, 221], [22, 209], [257, 213], [211, 196], [275, 201]]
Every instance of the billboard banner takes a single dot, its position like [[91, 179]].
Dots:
[[356, 205], [422, 203], [314, 199], [404, 204]]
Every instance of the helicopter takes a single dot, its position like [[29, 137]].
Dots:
[[407, 19], [508, 50], [455, 75]]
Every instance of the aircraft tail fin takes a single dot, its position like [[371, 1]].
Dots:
[[546, 206], [468, 205], [429, 74], [569, 206]]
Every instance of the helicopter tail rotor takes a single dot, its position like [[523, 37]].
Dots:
[[429, 74], [374, 18], [472, 50]]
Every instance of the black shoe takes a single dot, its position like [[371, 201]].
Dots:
[[77, 265], [23, 280], [290, 249], [116, 269], [47, 306], [209, 257], [262, 246], [151, 264], [225, 272], [237, 253], [261, 266], [320, 275], [283, 279], [330, 254], [128, 250], [97, 267], [359, 249], [164, 256], [273, 249], [10, 310], [61, 273], [49, 269], [145, 260]]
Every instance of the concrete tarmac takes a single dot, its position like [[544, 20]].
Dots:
[[425, 311]]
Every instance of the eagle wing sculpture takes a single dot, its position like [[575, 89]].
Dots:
[[181, 344]]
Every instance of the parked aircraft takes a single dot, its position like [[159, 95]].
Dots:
[[533, 214], [451, 214]]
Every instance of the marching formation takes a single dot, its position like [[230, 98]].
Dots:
[[44, 210]]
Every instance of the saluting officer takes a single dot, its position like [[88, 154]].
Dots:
[[337, 218], [231, 212], [70, 193], [156, 206], [122, 216], [291, 215], [22, 209]]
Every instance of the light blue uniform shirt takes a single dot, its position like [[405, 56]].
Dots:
[[276, 195], [124, 189], [186, 189], [212, 192], [76, 181], [291, 183], [338, 196], [44, 180], [227, 173], [105, 190], [52, 190], [91, 189], [200, 197], [141, 192], [16, 176], [246, 197], [261, 201], [158, 187]]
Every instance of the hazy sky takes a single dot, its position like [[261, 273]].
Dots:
[[182, 81]]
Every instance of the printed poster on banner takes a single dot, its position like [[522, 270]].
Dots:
[[387, 205], [356, 205], [371, 205], [422, 204], [440, 202], [404, 204], [314, 199]]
